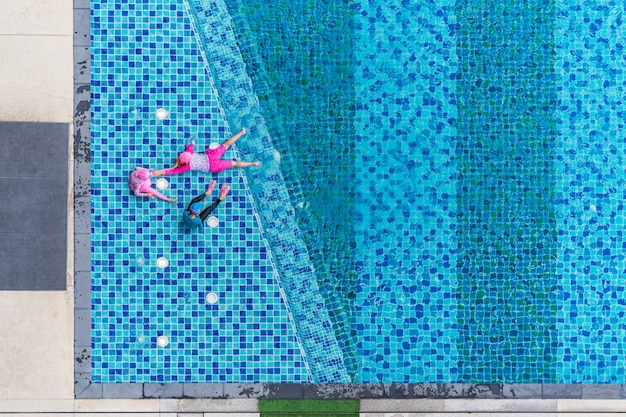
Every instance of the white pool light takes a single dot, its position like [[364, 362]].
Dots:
[[211, 298], [212, 221], [162, 183], [161, 114], [592, 207], [163, 341], [162, 262]]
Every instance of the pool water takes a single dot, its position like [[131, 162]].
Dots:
[[440, 199]]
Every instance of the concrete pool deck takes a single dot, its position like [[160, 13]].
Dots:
[[46, 80]]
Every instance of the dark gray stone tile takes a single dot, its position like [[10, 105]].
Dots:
[[162, 390], [84, 389], [81, 4], [522, 391], [243, 390], [82, 103], [82, 179], [563, 391], [483, 391], [82, 252], [33, 206], [283, 391], [82, 215], [81, 65], [81, 27], [191, 390], [425, 391], [601, 391], [82, 290], [33, 262], [322, 391], [82, 327], [82, 142], [34, 150], [122, 390], [82, 360]]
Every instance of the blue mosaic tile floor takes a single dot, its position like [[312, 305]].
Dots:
[[145, 57], [440, 199]]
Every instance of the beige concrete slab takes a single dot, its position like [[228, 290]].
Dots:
[[36, 17], [210, 405], [116, 405], [602, 406], [36, 348], [39, 415], [36, 82], [457, 405], [36, 406], [229, 415]]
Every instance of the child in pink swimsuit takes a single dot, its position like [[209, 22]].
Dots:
[[140, 184], [207, 161]]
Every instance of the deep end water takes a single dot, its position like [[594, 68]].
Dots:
[[432, 150]]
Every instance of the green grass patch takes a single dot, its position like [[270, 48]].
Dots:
[[308, 408]]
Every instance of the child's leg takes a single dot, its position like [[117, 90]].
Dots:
[[243, 164], [155, 193], [205, 213], [234, 138]]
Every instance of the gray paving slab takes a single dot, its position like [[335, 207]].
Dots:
[[321, 391], [33, 206], [122, 390], [82, 103], [82, 327], [522, 391], [81, 4], [191, 390], [601, 391], [243, 390], [82, 252], [82, 290], [33, 262], [82, 140], [81, 65], [34, 150], [162, 390], [81, 27], [561, 391], [283, 391], [82, 215], [83, 388], [82, 360]]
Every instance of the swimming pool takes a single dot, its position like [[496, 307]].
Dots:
[[440, 201]]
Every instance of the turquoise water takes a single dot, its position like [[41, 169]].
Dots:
[[441, 197]]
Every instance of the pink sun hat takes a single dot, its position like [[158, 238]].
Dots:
[[184, 157]]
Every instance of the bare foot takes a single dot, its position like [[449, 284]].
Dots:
[[209, 188]]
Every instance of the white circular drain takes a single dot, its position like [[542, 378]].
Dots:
[[163, 341], [162, 183], [161, 114], [212, 298], [212, 221], [214, 145], [162, 262]]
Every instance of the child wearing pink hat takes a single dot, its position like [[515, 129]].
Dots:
[[140, 184], [207, 161]]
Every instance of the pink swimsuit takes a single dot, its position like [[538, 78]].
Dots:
[[139, 183], [209, 161]]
